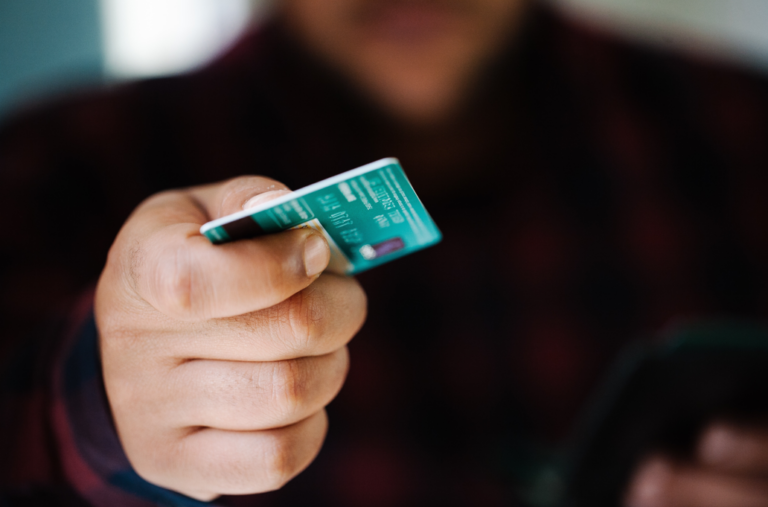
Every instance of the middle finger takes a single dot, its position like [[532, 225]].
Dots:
[[316, 321], [243, 396]]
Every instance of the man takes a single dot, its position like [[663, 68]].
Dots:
[[588, 191]]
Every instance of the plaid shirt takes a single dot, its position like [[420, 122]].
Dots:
[[594, 192]]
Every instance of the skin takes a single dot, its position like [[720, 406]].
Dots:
[[416, 59], [729, 467], [219, 360]]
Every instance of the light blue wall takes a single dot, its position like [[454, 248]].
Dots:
[[47, 46]]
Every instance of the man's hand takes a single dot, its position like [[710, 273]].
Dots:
[[730, 469], [219, 360]]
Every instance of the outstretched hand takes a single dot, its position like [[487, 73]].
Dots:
[[219, 360]]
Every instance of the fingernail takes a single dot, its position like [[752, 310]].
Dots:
[[316, 255], [264, 197], [718, 446]]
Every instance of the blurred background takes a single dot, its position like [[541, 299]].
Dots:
[[48, 47]]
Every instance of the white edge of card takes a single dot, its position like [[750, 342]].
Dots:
[[299, 193]]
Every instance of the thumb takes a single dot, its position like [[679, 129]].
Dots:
[[240, 193]]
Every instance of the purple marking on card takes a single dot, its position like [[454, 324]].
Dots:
[[388, 246]]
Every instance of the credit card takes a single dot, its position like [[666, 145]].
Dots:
[[369, 216]]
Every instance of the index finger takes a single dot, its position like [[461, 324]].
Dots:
[[180, 273]]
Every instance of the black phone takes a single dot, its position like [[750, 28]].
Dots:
[[659, 396]]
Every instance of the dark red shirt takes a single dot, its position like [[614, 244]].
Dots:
[[594, 192]]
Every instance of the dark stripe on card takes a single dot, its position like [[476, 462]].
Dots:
[[243, 228]]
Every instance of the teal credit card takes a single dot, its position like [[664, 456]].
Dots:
[[369, 215]]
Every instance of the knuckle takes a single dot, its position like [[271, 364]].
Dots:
[[279, 466], [177, 284], [273, 272], [175, 278], [301, 320], [288, 388], [303, 317]]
